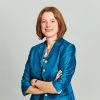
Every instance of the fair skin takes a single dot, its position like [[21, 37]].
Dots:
[[49, 27], [34, 89]]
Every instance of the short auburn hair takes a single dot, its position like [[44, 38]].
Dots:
[[57, 14]]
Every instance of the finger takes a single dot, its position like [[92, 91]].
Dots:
[[58, 76], [59, 72]]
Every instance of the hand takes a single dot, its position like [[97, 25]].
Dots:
[[33, 81], [58, 75]]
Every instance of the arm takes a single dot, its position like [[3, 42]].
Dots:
[[46, 86], [34, 90], [67, 65], [25, 82]]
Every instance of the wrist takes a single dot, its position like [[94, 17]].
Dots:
[[36, 80], [33, 82]]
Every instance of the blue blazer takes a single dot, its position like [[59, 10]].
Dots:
[[61, 57]]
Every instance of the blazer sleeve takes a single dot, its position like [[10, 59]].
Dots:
[[67, 66], [25, 82]]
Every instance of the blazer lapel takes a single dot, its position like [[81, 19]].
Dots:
[[55, 47], [42, 48]]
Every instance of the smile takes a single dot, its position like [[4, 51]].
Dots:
[[48, 30]]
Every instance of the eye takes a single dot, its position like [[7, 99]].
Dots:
[[52, 21], [43, 21]]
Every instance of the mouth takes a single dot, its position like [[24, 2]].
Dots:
[[48, 30]]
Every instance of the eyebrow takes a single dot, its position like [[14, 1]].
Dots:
[[50, 19]]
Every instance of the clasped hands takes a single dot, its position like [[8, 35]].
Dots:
[[33, 81]]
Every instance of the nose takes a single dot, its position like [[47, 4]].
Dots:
[[47, 24]]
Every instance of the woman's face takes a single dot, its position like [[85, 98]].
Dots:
[[49, 25]]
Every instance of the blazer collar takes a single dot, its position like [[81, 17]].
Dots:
[[56, 44], [54, 49]]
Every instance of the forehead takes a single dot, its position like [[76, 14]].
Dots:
[[48, 15]]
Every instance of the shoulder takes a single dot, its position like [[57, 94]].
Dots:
[[68, 45], [37, 47], [67, 49]]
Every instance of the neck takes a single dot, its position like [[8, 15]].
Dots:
[[51, 41]]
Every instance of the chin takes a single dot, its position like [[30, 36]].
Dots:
[[50, 36]]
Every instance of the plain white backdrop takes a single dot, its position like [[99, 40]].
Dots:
[[18, 35]]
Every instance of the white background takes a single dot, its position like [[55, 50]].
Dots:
[[17, 36]]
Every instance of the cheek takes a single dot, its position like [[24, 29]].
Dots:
[[56, 28], [43, 27]]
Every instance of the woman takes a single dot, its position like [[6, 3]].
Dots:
[[51, 64]]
